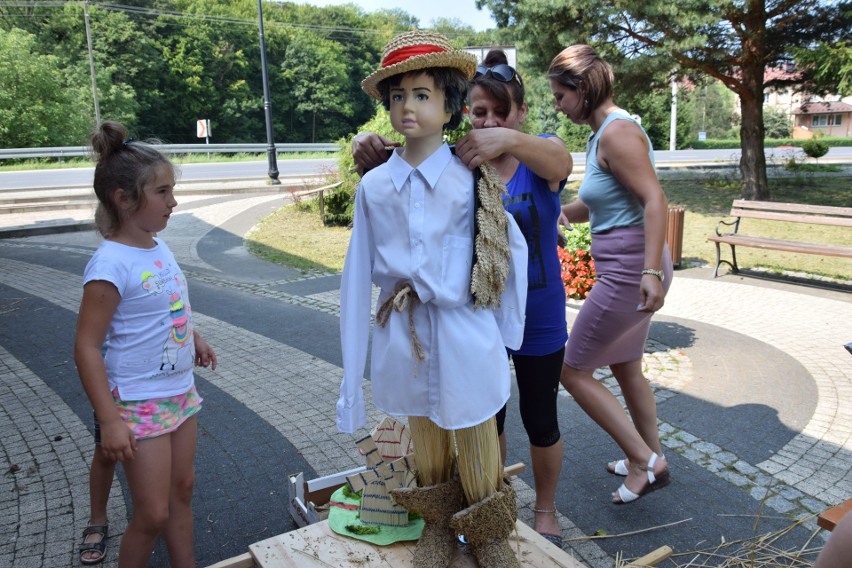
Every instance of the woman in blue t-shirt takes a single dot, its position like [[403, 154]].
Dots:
[[623, 202]]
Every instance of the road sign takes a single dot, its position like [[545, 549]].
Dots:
[[202, 128]]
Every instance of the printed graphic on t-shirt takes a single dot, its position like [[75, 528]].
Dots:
[[522, 208], [172, 282]]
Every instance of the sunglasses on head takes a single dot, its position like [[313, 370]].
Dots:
[[502, 72]]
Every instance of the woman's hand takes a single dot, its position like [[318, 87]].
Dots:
[[651, 294], [370, 150], [483, 144]]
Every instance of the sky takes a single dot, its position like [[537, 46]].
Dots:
[[423, 10]]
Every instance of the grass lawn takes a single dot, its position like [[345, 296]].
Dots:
[[294, 235]]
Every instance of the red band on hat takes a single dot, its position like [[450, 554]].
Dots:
[[404, 53]]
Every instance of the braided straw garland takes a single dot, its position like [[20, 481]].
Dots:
[[491, 249]]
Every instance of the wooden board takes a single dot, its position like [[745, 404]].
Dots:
[[317, 546], [829, 518]]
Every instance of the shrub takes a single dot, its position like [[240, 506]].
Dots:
[[339, 209], [815, 148]]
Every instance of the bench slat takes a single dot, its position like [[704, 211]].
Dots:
[[791, 217], [793, 207], [779, 244]]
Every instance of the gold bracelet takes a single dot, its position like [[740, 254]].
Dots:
[[658, 273]]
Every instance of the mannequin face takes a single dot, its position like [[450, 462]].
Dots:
[[417, 107]]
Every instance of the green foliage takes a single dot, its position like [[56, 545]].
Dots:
[[363, 529], [768, 142], [828, 65], [36, 95], [710, 107], [579, 237], [316, 75], [815, 148], [344, 207], [730, 41], [339, 208], [349, 494], [776, 123]]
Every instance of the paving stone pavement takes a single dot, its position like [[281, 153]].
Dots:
[[269, 407]]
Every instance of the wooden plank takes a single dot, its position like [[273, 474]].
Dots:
[[652, 558], [317, 546], [242, 561], [779, 244], [792, 217], [793, 207], [830, 517]]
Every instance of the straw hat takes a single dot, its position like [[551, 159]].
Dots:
[[415, 50]]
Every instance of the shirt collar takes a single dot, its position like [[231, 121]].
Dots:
[[431, 168]]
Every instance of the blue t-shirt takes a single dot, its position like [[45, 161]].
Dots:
[[536, 209], [610, 204]]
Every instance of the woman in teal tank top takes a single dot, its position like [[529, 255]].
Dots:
[[623, 202]]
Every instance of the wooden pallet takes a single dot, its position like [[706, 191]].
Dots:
[[317, 546]]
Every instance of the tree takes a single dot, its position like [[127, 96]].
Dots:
[[776, 122], [711, 108], [830, 67], [34, 100], [731, 40], [317, 76]]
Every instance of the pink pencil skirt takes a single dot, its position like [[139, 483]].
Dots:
[[608, 329]]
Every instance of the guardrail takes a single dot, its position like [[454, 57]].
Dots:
[[77, 151]]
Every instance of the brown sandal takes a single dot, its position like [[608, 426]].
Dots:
[[97, 547]]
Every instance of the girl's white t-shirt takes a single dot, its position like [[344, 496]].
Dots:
[[150, 348]]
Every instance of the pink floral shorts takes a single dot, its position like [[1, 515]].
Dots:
[[157, 416]]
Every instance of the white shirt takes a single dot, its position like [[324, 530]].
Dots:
[[416, 226]]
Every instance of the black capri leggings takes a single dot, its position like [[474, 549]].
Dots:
[[538, 387]]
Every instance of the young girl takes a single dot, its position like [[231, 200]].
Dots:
[[142, 390]]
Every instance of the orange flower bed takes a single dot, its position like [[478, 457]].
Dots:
[[578, 272]]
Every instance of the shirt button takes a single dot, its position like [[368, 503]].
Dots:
[[417, 206]]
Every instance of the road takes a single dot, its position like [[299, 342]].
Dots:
[[72, 177]]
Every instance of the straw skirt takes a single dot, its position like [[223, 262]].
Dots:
[[608, 329]]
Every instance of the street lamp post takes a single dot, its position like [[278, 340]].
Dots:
[[270, 140], [91, 63]]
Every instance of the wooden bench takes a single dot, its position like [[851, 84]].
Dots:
[[788, 212]]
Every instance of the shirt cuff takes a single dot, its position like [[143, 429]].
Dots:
[[513, 335], [351, 414]]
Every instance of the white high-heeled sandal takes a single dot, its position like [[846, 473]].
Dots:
[[619, 467], [654, 482]]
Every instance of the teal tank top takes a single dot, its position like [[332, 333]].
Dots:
[[610, 204]]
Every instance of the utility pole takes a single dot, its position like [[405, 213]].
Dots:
[[270, 140], [92, 63]]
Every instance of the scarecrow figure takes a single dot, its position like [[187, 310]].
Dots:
[[451, 267]]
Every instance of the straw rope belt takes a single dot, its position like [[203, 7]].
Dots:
[[403, 297]]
